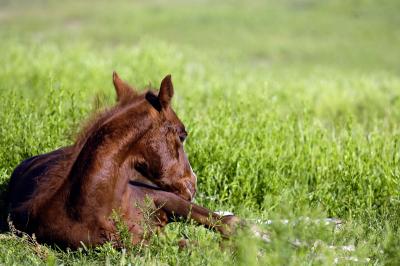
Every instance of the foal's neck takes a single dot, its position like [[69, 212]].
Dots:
[[96, 170]]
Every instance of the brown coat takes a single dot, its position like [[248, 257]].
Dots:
[[67, 196]]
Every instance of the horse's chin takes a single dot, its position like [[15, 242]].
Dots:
[[191, 198], [185, 190], [190, 191]]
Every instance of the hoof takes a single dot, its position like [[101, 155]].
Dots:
[[230, 224]]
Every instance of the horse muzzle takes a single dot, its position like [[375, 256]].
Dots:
[[187, 188]]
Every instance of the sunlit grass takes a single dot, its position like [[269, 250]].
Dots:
[[292, 109]]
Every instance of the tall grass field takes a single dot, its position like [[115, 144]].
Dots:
[[292, 110]]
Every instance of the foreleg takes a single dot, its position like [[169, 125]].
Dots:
[[174, 205]]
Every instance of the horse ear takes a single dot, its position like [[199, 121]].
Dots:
[[166, 91], [123, 90]]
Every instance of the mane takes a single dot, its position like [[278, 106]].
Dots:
[[98, 118], [58, 172]]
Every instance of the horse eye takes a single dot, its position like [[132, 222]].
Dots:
[[182, 136]]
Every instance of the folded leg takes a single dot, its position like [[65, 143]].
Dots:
[[174, 205]]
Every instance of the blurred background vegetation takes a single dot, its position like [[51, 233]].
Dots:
[[346, 34]]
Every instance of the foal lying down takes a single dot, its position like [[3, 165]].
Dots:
[[126, 154]]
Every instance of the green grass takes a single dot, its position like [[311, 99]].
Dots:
[[292, 108]]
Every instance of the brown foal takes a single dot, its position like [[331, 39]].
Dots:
[[126, 154]]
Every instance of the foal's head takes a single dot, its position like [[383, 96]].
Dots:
[[157, 154]]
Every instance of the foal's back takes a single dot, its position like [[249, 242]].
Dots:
[[24, 183]]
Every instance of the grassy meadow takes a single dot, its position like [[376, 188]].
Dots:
[[292, 109]]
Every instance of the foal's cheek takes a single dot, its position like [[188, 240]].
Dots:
[[171, 148]]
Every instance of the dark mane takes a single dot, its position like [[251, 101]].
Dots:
[[61, 164]]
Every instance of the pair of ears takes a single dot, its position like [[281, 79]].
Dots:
[[125, 92]]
